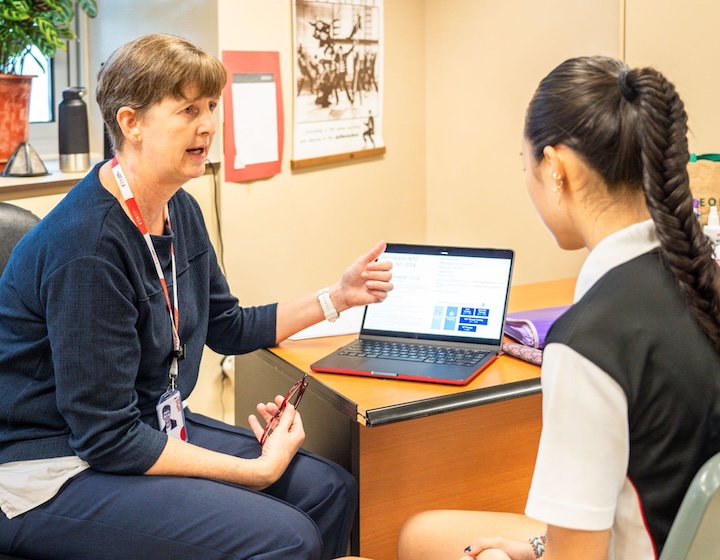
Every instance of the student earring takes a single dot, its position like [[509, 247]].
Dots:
[[557, 189]]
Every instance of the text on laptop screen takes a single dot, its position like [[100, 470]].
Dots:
[[446, 296]]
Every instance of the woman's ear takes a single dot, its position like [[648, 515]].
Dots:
[[129, 123]]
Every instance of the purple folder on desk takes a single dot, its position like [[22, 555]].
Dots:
[[531, 327]]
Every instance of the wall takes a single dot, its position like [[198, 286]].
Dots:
[[458, 75], [296, 232], [484, 60], [681, 40]]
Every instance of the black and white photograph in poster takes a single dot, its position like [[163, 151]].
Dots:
[[338, 77]]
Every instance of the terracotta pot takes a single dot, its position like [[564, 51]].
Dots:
[[14, 113]]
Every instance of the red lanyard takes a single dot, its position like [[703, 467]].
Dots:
[[178, 349]]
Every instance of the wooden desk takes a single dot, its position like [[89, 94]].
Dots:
[[414, 446]]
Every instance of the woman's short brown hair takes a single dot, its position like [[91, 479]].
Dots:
[[151, 68]]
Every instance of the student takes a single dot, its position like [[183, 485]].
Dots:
[[631, 372], [93, 330]]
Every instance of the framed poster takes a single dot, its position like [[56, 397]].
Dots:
[[338, 80]]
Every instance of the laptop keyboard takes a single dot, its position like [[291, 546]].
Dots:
[[415, 352]]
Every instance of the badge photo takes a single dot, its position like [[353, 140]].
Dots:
[[171, 418]]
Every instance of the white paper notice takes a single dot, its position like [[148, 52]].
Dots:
[[255, 124], [349, 322]]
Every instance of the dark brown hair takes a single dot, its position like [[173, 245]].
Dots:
[[149, 69], [630, 127]]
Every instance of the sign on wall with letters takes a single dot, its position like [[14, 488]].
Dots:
[[337, 80]]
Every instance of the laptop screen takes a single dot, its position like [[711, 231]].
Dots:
[[444, 293]]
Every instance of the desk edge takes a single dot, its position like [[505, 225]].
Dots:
[[447, 403]]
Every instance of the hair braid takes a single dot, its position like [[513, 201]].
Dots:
[[662, 136], [630, 126]]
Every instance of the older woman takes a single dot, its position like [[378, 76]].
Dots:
[[105, 308]]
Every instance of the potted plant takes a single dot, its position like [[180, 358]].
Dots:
[[24, 24]]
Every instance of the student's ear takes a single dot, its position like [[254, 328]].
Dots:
[[553, 159]]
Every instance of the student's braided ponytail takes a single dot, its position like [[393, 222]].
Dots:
[[662, 136], [630, 126]]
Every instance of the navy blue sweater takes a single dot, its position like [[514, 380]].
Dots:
[[85, 333]]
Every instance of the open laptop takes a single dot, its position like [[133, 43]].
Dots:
[[446, 300]]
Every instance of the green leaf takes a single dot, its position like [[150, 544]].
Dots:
[[17, 10], [46, 24], [89, 7], [50, 32], [62, 11]]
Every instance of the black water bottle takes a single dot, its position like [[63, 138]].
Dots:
[[73, 131]]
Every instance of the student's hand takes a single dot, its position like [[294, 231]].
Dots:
[[366, 280], [283, 443], [489, 554], [499, 548]]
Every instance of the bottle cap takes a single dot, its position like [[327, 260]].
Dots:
[[73, 93]]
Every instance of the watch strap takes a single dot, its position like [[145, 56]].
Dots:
[[328, 308]]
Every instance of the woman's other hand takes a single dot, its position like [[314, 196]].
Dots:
[[283, 443]]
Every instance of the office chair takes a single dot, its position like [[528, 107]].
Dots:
[[694, 533], [14, 223]]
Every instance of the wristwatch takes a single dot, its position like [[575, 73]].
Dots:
[[328, 308]]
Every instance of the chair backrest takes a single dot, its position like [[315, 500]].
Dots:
[[695, 533], [14, 223]]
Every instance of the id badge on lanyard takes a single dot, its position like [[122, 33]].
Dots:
[[169, 408], [171, 417]]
